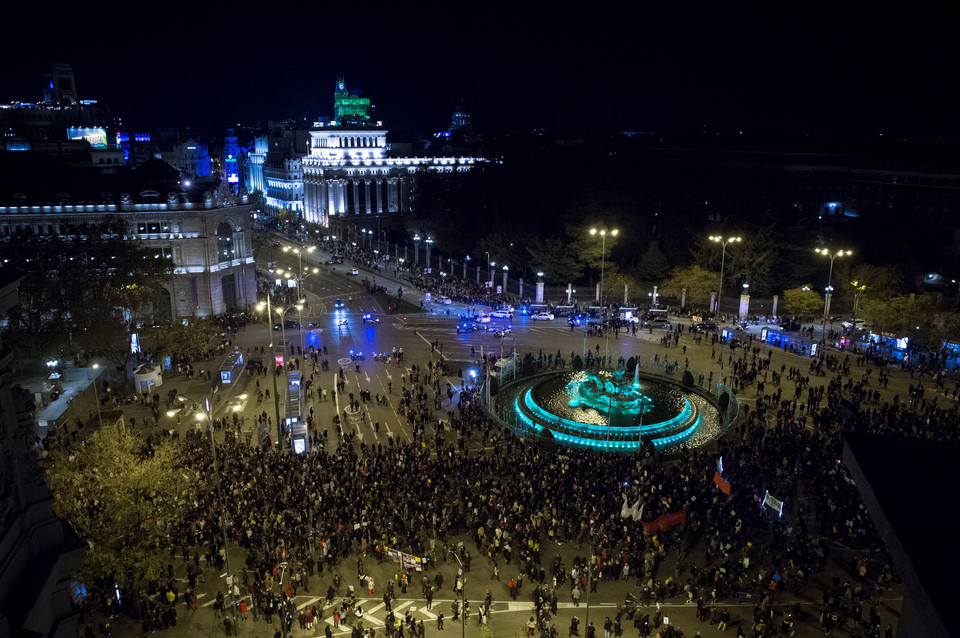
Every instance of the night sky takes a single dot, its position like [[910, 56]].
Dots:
[[566, 67]]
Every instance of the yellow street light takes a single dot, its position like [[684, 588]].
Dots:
[[723, 256]]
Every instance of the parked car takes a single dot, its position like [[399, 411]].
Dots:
[[287, 324], [354, 271], [445, 300], [706, 326], [502, 313], [543, 316], [482, 318]]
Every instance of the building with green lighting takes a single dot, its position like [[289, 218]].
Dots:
[[349, 175], [349, 109]]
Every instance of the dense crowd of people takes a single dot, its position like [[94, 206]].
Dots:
[[461, 475], [350, 502]]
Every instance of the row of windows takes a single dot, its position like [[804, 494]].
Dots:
[[142, 228]]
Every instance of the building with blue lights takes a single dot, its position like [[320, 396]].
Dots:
[[191, 158], [255, 161]]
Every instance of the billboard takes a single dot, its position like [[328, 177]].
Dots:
[[97, 137]]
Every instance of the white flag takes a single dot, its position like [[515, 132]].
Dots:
[[625, 510], [773, 503], [638, 510]]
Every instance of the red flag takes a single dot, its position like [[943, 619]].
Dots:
[[723, 485]]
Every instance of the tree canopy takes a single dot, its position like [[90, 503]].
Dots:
[[121, 283], [699, 282], [802, 301], [123, 497]]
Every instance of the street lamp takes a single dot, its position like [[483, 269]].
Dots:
[[429, 242], [273, 368], [506, 269], [465, 260], [603, 252], [96, 394], [723, 256], [826, 252], [463, 585], [231, 583]]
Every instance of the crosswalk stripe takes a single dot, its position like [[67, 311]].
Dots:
[[308, 603]]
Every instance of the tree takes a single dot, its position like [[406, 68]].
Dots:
[[122, 281], [699, 282], [653, 265], [553, 256], [124, 498], [896, 315], [177, 340], [802, 301]]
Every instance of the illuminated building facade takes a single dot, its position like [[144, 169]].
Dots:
[[349, 175], [349, 109], [208, 236], [233, 160], [255, 162], [191, 158]]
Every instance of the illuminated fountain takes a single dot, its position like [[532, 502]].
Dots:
[[608, 410]]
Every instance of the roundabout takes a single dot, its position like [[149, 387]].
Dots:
[[612, 410]]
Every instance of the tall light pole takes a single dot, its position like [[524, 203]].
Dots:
[[603, 252], [463, 587], [273, 367], [826, 252], [96, 394], [231, 583], [429, 242], [723, 256], [506, 269]]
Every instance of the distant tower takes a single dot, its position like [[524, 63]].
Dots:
[[61, 87], [349, 109], [460, 120]]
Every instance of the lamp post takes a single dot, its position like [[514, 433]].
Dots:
[[463, 594], [506, 269], [723, 256], [302, 274], [489, 265], [231, 584], [826, 252], [465, 260], [273, 368], [603, 252], [416, 249], [429, 242], [96, 395]]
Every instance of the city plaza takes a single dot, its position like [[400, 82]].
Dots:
[[431, 337]]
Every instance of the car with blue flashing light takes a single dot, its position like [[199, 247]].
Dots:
[[482, 318], [370, 317], [467, 327], [338, 303], [503, 332]]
